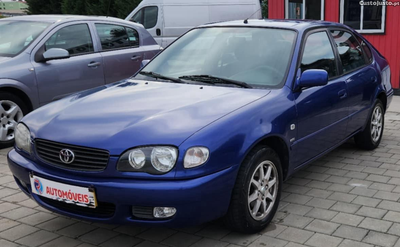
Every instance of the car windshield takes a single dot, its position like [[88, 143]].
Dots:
[[15, 36], [258, 57]]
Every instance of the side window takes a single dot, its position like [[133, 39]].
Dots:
[[76, 39], [365, 49], [318, 54], [112, 36], [147, 16], [138, 17], [350, 50], [150, 17], [133, 36]]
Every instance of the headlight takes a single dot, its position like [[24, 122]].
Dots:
[[153, 160], [137, 159], [196, 156], [23, 138], [163, 158]]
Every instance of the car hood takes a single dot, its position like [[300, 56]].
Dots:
[[136, 113], [4, 59]]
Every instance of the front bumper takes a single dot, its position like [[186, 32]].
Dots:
[[197, 200]]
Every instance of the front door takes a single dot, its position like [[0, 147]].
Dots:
[[322, 111], [122, 55], [83, 70]]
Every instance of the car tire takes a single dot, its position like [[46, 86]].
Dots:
[[251, 192], [9, 119], [371, 136]]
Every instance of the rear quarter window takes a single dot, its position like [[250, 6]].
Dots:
[[350, 51], [366, 49]]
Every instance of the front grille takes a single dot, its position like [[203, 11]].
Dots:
[[86, 159], [103, 209]]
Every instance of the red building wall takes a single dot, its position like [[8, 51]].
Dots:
[[388, 43]]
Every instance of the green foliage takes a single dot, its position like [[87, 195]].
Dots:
[[264, 6], [116, 8], [124, 8], [37, 7]]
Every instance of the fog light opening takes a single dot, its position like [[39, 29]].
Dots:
[[163, 212]]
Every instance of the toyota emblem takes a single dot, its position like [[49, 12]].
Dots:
[[67, 156]]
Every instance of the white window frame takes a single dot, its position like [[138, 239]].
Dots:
[[362, 30], [304, 9]]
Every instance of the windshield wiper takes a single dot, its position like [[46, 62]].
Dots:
[[214, 80], [159, 76]]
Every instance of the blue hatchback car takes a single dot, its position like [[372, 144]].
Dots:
[[209, 128]]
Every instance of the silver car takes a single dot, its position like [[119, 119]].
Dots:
[[44, 58]]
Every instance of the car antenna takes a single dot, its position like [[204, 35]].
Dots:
[[247, 19], [108, 9]]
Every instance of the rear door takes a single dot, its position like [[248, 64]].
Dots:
[[120, 49], [323, 110], [83, 70], [359, 74]]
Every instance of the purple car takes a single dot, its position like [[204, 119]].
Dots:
[[45, 58]]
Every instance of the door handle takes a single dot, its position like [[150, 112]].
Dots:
[[342, 93], [93, 64], [158, 32], [136, 57]]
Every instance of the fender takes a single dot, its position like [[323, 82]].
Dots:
[[32, 94], [248, 127]]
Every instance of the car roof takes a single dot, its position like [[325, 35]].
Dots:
[[68, 18], [299, 25]]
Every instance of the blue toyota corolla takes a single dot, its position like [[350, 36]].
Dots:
[[211, 127]]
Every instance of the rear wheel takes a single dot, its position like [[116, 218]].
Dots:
[[256, 193], [12, 109], [371, 137]]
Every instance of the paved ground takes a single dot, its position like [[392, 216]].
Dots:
[[349, 198]]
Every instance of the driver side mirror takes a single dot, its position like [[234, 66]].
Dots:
[[144, 63], [55, 53], [312, 78]]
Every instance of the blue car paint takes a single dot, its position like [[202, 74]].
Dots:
[[229, 121]]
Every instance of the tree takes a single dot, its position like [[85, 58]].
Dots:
[[115, 8], [264, 7], [36, 7], [124, 7]]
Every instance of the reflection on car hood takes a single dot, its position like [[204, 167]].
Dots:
[[135, 113]]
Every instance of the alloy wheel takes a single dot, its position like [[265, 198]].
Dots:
[[263, 190], [10, 115], [376, 123]]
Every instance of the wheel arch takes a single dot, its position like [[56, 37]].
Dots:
[[19, 93], [383, 98], [279, 145]]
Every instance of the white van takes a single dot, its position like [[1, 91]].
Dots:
[[166, 20]]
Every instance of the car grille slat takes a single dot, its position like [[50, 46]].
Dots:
[[79, 149], [72, 166], [86, 159]]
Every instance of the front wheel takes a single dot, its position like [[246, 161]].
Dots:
[[257, 191], [12, 110], [371, 137]]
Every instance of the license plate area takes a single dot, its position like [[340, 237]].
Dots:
[[77, 195]]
